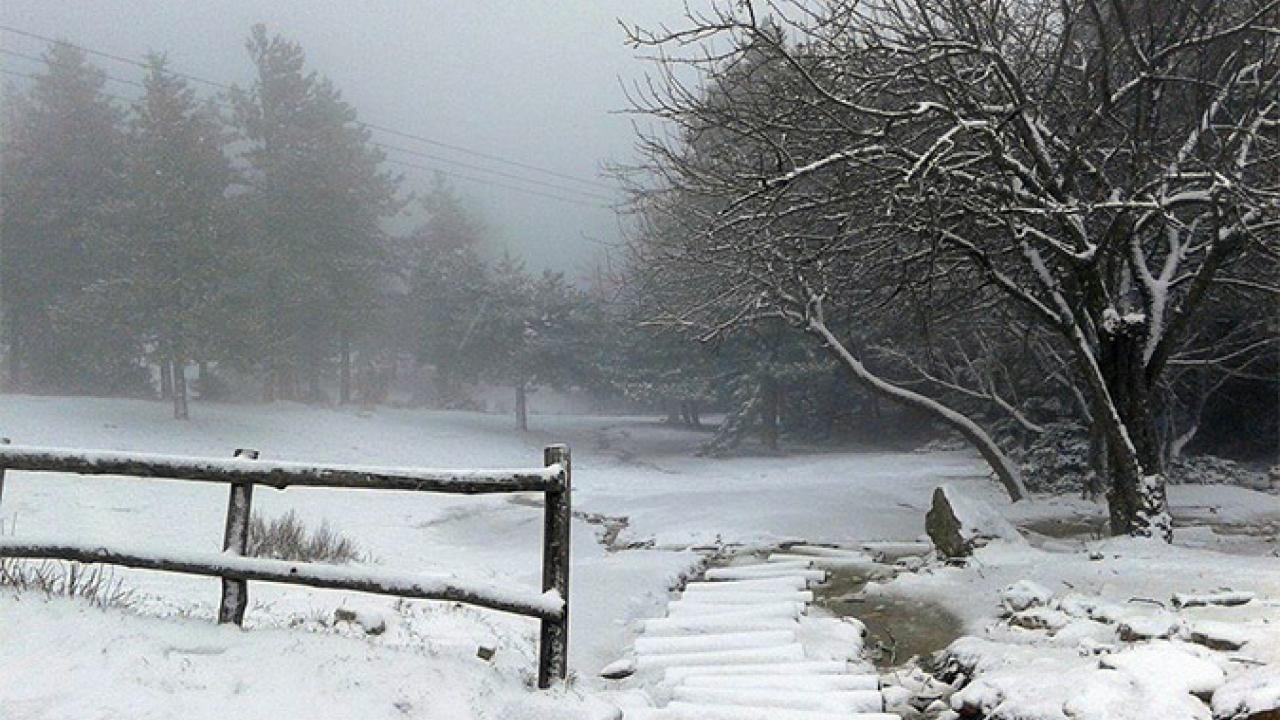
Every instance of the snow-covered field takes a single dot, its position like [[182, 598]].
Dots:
[[79, 662], [623, 467]]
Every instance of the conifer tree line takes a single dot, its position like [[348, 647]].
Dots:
[[242, 235], [240, 240]]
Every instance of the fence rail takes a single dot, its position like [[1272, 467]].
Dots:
[[244, 471]]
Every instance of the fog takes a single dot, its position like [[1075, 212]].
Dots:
[[713, 306], [536, 82]]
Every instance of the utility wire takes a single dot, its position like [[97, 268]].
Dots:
[[500, 173], [372, 126], [485, 181], [579, 200]]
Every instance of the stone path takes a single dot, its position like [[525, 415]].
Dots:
[[741, 644]]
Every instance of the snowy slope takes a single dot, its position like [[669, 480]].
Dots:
[[624, 468]]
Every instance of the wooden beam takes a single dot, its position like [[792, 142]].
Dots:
[[378, 581], [277, 474]]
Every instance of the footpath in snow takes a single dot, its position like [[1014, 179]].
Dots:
[[743, 644]]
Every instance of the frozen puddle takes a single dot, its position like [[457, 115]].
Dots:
[[747, 643]]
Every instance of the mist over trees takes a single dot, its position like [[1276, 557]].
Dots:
[[1071, 187], [1046, 227]]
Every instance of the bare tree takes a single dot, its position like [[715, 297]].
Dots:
[[1100, 167]]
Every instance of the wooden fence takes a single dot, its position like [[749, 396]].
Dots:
[[245, 471]]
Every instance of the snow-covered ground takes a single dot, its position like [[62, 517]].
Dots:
[[80, 662], [623, 467]]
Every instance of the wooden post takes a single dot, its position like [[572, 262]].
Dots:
[[553, 643], [3, 441], [235, 593], [180, 409], [522, 407]]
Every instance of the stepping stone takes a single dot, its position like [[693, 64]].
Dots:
[[1226, 598], [798, 562], [891, 551], [752, 572], [751, 656], [840, 701], [705, 643], [1220, 635], [849, 561], [822, 551], [691, 607], [787, 582], [675, 674], [719, 623], [742, 597], [694, 711], [785, 682]]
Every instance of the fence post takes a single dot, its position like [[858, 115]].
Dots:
[[3, 441], [235, 593], [553, 641]]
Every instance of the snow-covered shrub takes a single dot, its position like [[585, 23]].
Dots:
[[947, 443], [287, 538], [1057, 461], [1214, 470], [95, 583]]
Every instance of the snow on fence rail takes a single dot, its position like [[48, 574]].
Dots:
[[551, 607]]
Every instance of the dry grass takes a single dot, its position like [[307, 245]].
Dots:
[[287, 538], [95, 583]]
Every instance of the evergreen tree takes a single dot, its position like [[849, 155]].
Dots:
[[319, 198], [61, 201], [537, 332], [180, 250], [450, 294]]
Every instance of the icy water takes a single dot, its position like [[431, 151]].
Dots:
[[1258, 537], [897, 627]]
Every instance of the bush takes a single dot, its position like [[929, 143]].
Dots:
[[1213, 470], [1057, 461], [95, 583], [286, 538]]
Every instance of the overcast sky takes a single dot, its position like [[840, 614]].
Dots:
[[536, 81]]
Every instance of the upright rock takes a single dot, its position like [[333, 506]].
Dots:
[[958, 524]]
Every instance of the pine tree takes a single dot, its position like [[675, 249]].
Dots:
[[62, 201], [319, 197], [450, 292], [179, 176]]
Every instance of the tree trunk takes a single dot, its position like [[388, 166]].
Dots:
[[522, 407], [673, 412], [14, 347], [1136, 499], [769, 402], [166, 377], [1096, 485], [1000, 464], [344, 388], [180, 410]]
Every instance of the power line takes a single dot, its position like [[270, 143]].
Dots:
[[500, 173], [372, 126], [582, 198], [485, 181]]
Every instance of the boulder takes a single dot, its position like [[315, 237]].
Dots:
[[1252, 695], [958, 524], [1024, 594], [1220, 635]]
